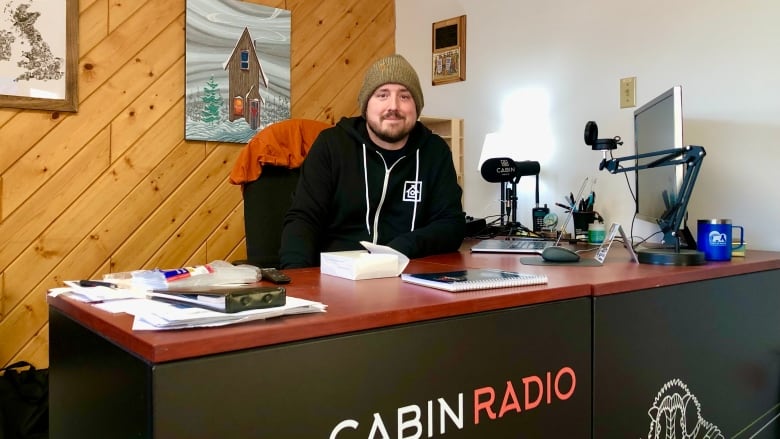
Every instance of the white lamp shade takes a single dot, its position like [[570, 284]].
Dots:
[[498, 145]]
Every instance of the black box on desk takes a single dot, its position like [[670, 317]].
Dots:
[[475, 227]]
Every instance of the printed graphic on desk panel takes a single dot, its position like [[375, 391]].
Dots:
[[677, 413]]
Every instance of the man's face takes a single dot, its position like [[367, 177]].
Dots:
[[391, 115]]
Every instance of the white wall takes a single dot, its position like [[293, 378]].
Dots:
[[571, 55]]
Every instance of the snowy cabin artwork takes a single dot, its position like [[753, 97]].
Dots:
[[237, 69], [245, 77]]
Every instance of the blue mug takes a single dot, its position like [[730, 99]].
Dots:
[[715, 238]]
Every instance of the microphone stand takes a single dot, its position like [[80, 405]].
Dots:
[[514, 225], [513, 203], [505, 210], [505, 170], [674, 218]]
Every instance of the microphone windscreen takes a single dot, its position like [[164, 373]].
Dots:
[[527, 167], [498, 170]]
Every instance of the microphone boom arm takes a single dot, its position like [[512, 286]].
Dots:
[[691, 156]]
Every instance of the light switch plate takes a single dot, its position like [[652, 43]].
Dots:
[[628, 92]]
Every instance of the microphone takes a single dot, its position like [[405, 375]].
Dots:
[[499, 170], [527, 167]]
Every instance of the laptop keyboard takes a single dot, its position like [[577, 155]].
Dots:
[[530, 245]]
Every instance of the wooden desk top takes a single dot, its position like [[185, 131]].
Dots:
[[618, 274], [375, 303], [352, 306]]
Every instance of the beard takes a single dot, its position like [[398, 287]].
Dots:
[[393, 134]]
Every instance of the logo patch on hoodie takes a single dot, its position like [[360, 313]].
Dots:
[[413, 191]]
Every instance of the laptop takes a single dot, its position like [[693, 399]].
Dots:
[[519, 246], [524, 246]]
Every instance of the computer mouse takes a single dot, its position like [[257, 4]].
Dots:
[[559, 254]]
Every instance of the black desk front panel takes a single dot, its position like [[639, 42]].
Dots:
[[96, 389], [534, 361], [360, 385], [700, 355]]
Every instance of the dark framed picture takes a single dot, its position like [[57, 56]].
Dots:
[[449, 51], [39, 54]]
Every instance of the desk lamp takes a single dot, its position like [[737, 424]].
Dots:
[[692, 157]]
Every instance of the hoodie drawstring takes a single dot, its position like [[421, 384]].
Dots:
[[384, 192], [365, 178], [419, 190]]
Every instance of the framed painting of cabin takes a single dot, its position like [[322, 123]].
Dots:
[[237, 69], [39, 54], [448, 43]]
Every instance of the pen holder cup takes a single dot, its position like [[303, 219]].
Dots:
[[581, 222]]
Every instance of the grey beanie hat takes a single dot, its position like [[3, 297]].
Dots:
[[393, 69]]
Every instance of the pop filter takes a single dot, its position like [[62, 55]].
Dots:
[[499, 170]]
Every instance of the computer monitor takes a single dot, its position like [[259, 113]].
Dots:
[[658, 126]]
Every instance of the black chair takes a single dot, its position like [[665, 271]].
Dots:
[[266, 201], [267, 170]]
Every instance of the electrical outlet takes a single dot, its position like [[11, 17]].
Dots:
[[628, 92]]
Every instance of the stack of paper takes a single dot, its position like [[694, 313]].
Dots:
[[97, 294], [161, 315], [153, 315]]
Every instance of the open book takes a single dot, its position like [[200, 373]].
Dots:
[[474, 279]]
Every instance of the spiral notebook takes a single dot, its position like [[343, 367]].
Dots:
[[474, 279]]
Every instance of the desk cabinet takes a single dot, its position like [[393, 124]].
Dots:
[[598, 352], [701, 355], [519, 372]]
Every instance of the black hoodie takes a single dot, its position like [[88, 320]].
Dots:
[[347, 193]]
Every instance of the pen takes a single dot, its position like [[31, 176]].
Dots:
[[563, 205], [96, 283]]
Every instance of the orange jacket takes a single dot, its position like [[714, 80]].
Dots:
[[284, 143]]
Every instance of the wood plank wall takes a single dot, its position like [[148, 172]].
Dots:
[[115, 187]]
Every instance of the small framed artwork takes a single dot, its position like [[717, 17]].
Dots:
[[449, 51], [39, 54]]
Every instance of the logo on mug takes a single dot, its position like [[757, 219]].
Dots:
[[717, 238]]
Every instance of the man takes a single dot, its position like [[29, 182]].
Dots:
[[382, 177]]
